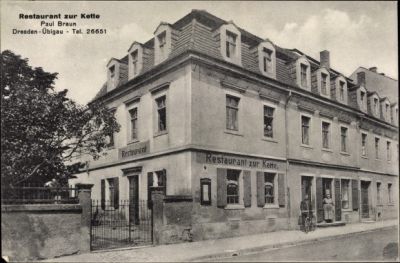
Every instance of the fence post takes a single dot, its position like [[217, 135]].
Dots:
[[157, 198], [84, 196]]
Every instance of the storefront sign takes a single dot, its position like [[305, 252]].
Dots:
[[222, 159], [134, 150]]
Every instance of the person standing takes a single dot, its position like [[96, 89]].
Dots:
[[328, 207]]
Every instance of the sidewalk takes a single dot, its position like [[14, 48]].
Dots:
[[207, 250]]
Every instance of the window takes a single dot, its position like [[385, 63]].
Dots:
[[376, 148], [230, 44], [134, 118], [232, 186], [162, 113], [113, 190], [325, 134], [388, 151], [387, 112], [232, 108], [269, 179], [305, 127], [303, 75], [343, 136], [376, 106], [364, 144], [112, 72], [390, 193], [378, 193], [134, 56], [268, 121], [162, 41], [341, 90], [362, 98], [345, 194], [267, 60], [324, 78]]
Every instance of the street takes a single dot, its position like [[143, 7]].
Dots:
[[378, 245]]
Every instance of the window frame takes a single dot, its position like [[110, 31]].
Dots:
[[388, 151], [131, 119], [390, 193], [111, 136], [379, 193], [273, 107], [346, 139], [377, 147], [158, 109], [364, 151], [349, 191], [342, 85], [134, 61], [239, 183], [324, 83], [205, 182], [231, 42], [309, 117], [275, 189], [303, 74], [229, 108], [329, 134]]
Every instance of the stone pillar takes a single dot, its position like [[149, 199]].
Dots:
[[84, 196], [157, 198]]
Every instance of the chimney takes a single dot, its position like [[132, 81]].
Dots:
[[324, 59], [361, 78], [373, 69]]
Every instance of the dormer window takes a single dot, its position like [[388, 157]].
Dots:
[[324, 88], [134, 57], [362, 98], [267, 59], [112, 72], [376, 107], [341, 90], [230, 43], [162, 41], [387, 111], [303, 74]]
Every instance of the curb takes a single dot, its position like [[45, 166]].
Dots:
[[252, 250]]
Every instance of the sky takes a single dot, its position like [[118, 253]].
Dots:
[[356, 33]]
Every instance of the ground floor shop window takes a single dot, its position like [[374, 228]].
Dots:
[[232, 186], [113, 193], [269, 188], [345, 193], [205, 186], [378, 193]]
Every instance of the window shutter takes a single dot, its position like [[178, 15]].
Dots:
[[116, 192], [165, 181], [338, 205], [260, 189], [103, 194], [149, 185], [281, 190], [221, 187], [319, 199], [247, 188], [354, 193]]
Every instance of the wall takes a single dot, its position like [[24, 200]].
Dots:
[[177, 166], [209, 115], [210, 222], [33, 232]]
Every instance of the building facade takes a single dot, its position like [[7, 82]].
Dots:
[[246, 129]]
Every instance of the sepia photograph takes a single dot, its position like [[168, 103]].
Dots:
[[199, 131]]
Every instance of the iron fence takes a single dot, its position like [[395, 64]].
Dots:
[[33, 194], [128, 224]]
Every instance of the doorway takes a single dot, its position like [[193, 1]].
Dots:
[[365, 199], [134, 199]]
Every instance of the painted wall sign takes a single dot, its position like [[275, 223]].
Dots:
[[134, 150], [223, 159]]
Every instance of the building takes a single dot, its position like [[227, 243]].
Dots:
[[246, 129]]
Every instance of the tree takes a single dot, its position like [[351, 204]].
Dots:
[[41, 129]]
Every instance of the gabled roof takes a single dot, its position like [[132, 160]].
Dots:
[[134, 43]]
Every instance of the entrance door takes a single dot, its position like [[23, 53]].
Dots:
[[134, 199], [364, 199], [306, 184]]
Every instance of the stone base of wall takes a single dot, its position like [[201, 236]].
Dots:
[[233, 228], [33, 232]]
